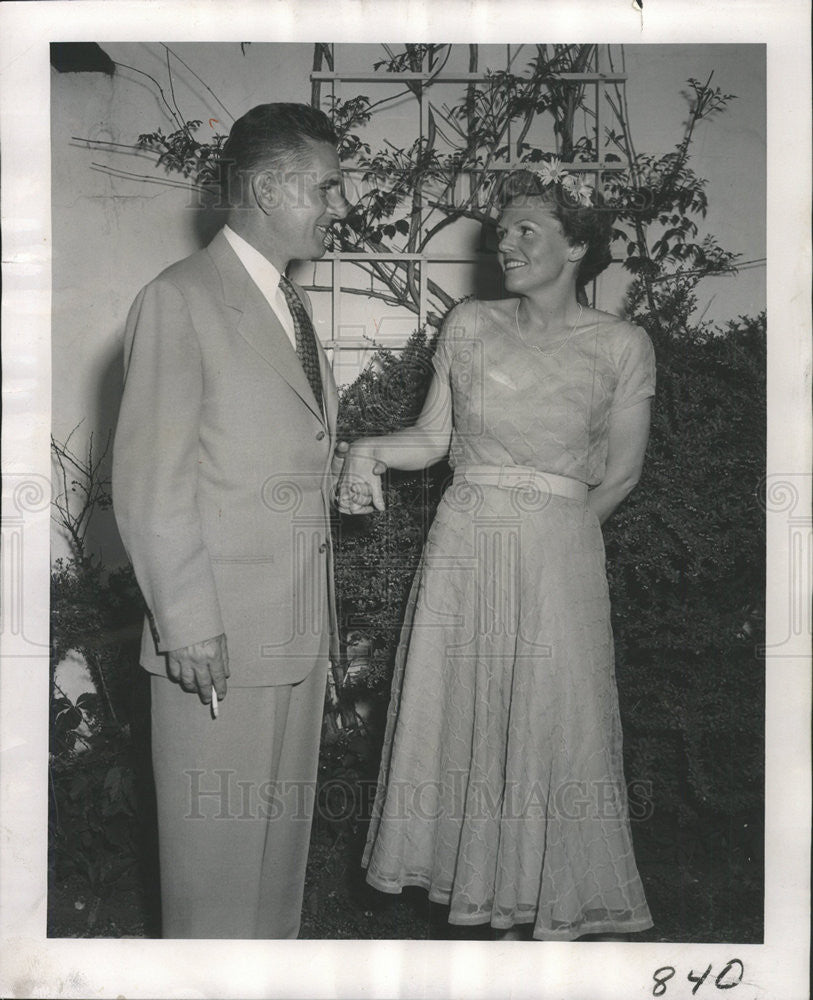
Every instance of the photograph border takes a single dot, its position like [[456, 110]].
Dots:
[[33, 965]]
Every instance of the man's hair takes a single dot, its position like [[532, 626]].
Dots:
[[590, 225], [270, 136]]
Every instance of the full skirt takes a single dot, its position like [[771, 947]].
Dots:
[[501, 788]]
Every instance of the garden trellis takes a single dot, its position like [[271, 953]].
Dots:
[[439, 180], [404, 236]]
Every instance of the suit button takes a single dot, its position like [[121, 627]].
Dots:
[[320, 435], [323, 547]]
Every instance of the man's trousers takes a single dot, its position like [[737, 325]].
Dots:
[[235, 800]]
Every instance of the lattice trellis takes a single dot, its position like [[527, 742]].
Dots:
[[597, 78]]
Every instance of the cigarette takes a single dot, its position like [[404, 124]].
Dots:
[[214, 703]]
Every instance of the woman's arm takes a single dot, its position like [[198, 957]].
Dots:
[[629, 432], [416, 447], [423, 444]]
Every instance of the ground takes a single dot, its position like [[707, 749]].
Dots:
[[702, 890]]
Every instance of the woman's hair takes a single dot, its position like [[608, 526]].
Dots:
[[274, 136], [590, 225]]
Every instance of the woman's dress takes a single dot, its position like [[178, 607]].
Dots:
[[501, 788]]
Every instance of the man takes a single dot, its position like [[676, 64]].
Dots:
[[222, 481]]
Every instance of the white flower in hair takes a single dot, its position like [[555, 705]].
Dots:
[[551, 172], [578, 188], [584, 191]]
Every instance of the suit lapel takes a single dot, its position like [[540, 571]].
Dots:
[[329, 392], [257, 323]]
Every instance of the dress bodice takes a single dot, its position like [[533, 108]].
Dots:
[[515, 405]]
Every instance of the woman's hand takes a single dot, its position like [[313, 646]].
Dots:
[[337, 462], [359, 489]]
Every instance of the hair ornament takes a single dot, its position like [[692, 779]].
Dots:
[[553, 172]]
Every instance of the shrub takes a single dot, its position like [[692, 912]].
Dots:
[[377, 554], [94, 811], [686, 567]]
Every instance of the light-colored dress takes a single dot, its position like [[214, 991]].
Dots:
[[501, 788]]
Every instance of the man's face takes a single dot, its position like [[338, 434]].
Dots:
[[310, 198]]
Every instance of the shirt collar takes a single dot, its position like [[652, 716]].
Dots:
[[254, 262]]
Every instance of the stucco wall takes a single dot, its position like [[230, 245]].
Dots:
[[111, 234]]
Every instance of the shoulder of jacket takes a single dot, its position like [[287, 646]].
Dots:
[[196, 269]]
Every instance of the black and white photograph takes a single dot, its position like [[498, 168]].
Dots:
[[406, 536]]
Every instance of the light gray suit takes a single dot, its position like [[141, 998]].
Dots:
[[222, 492]]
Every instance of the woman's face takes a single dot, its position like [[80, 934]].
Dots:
[[532, 248]]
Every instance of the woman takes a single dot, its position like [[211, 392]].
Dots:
[[501, 788]]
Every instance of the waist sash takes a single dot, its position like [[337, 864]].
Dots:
[[517, 477]]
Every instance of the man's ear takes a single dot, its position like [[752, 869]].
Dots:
[[266, 190]]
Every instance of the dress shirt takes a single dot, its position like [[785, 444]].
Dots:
[[265, 276]]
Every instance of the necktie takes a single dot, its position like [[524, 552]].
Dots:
[[305, 337]]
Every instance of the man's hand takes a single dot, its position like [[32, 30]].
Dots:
[[200, 667], [359, 490]]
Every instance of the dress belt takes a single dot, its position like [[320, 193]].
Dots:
[[512, 477]]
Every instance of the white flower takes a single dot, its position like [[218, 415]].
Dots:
[[552, 171], [577, 187], [584, 192]]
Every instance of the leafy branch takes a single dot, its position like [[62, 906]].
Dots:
[[659, 200], [84, 489], [411, 194]]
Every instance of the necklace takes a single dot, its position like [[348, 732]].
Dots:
[[539, 350]]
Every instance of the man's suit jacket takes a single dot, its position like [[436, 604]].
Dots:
[[221, 474]]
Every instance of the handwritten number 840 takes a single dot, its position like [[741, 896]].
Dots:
[[730, 977]]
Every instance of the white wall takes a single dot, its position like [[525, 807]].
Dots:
[[729, 151], [113, 234]]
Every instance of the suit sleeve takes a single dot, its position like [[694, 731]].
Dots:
[[155, 468]]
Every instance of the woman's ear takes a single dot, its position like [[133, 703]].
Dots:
[[576, 252]]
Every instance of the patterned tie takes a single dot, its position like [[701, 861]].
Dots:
[[305, 338]]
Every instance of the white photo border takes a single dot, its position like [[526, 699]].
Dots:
[[32, 965]]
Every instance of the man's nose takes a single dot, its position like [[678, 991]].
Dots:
[[338, 206]]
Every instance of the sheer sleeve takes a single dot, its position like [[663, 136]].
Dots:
[[452, 334], [636, 370]]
